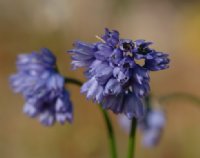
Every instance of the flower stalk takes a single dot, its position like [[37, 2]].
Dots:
[[131, 141], [108, 123], [179, 95], [73, 81], [110, 133]]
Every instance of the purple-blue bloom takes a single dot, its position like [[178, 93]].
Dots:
[[42, 86], [115, 77]]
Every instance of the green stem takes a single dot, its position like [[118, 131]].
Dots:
[[110, 133], [111, 136], [147, 101], [73, 81], [179, 95], [131, 141], [132, 135]]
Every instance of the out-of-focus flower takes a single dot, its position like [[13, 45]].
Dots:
[[42, 86], [151, 126], [115, 79]]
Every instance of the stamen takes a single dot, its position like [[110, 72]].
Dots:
[[99, 38], [126, 92], [127, 54], [130, 89]]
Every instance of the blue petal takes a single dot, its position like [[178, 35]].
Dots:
[[133, 107], [113, 87]]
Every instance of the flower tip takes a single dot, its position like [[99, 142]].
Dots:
[[45, 50], [130, 115], [29, 110], [62, 118], [70, 118], [46, 119]]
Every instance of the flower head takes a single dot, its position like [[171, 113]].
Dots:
[[115, 79], [42, 86]]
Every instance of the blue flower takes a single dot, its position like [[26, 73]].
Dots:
[[42, 86], [152, 126], [115, 77]]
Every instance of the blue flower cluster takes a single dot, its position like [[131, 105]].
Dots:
[[116, 77], [42, 86]]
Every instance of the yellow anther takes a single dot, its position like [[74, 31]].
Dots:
[[99, 38]]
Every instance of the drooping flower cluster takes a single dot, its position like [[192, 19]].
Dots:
[[42, 86], [151, 126], [115, 77]]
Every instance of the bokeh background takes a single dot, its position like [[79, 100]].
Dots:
[[27, 25]]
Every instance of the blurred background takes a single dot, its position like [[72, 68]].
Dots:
[[173, 26]]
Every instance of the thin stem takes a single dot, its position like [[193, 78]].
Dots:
[[179, 95], [110, 133], [73, 81], [108, 123], [131, 141], [147, 100], [132, 135]]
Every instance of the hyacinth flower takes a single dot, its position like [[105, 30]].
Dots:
[[42, 87], [115, 79]]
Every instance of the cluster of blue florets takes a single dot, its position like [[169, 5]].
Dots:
[[42, 86], [116, 78]]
